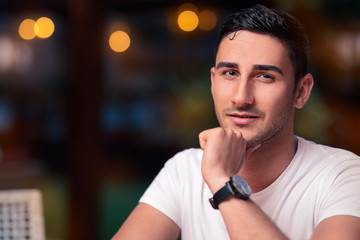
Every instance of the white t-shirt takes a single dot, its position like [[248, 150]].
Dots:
[[320, 182]]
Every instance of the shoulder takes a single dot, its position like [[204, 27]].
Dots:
[[186, 158], [333, 168], [319, 161], [330, 154]]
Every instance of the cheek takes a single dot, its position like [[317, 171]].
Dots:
[[274, 100], [220, 93]]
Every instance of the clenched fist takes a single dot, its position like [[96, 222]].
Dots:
[[224, 154]]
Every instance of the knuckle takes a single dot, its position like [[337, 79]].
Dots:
[[221, 132]]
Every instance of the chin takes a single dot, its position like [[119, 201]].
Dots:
[[251, 143], [255, 139]]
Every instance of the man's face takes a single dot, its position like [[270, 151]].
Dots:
[[253, 86]]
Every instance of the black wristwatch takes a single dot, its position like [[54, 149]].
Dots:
[[236, 187]]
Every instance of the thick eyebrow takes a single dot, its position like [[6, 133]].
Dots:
[[227, 65], [268, 68]]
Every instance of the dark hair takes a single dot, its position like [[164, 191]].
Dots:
[[276, 23]]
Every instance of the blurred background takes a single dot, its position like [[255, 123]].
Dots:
[[96, 95]]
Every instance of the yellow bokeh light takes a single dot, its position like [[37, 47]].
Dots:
[[26, 29], [44, 27], [188, 20], [207, 20], [119, 41]]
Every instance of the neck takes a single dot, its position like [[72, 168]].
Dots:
[[269, 161]]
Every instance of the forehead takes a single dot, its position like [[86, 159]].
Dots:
[[244, 47]]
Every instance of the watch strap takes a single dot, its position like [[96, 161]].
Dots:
[[221, 195]]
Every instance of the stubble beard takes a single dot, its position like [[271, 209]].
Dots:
[[265, 134], [277, 126]]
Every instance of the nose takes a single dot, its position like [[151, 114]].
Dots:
[[242, 94]]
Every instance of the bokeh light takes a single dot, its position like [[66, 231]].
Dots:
[[26, 29], [44, 27], [119, 41], [188, 20], [207, 20]]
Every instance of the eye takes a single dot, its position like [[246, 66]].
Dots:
[[266, 77], [229, 74]]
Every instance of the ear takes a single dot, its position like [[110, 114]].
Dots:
[[212, 75], [303, 90]]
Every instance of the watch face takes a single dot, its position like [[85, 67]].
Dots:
[[241, 186]]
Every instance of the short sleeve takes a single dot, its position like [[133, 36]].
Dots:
[[164, 193], [342, 194]]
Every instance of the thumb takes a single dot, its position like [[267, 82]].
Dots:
[[203, 137]]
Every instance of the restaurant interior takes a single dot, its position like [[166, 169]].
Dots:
[[96, 95]]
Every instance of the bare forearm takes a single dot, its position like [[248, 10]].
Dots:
[[245, 220], [145, 222]]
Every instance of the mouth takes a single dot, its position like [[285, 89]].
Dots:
[[242, 118]]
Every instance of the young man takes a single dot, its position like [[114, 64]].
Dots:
[[300, 190]]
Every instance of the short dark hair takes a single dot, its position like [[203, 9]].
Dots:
[[276, 23]]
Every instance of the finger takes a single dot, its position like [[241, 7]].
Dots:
[[203, 137], [238, 134], [202, 140]]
